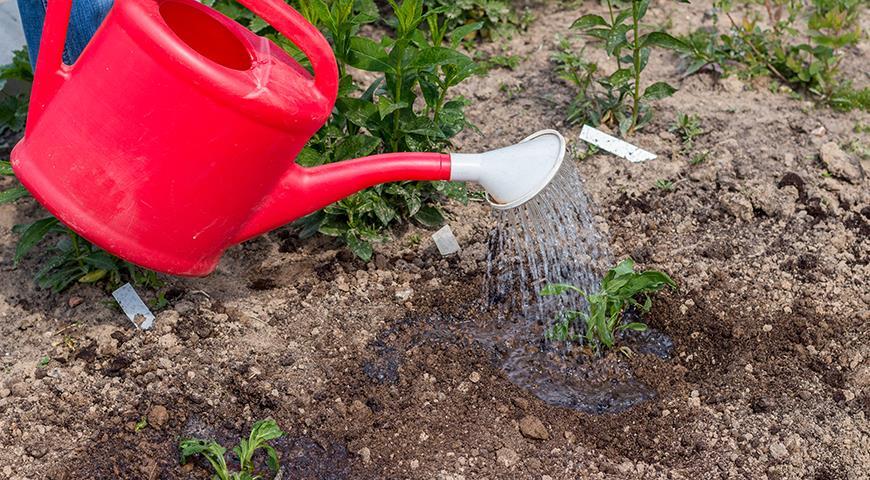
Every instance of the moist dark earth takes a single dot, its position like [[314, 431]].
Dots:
[[373, 371]]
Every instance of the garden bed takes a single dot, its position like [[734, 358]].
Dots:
[[375, 370]]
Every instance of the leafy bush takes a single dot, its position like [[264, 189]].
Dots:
[[616, 99], [407, 108], [13, 108], [261, 433], [600, 324], [498, 18], [812, 67]]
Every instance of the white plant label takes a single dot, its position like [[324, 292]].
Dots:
[[614, 145], [446, 241], [134, 307]]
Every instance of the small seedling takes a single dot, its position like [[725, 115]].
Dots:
[[490, 62], [599, 325], [665, 185], [141, 424], [43, 362], [700, 157], [414, 239], [687, 127], [261, 433]]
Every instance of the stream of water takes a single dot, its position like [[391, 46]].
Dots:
[[551, 239]]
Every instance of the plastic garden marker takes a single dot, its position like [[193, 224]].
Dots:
[[173, 136], [446, 241], [134, 307], [614, 145]]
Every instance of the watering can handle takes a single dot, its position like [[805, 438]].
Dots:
[[307, 37], [50, 69]]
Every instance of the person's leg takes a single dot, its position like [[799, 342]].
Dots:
[[85, 17]]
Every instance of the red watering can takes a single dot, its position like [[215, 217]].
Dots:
[[173, 137]]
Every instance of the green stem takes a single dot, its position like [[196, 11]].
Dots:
[[636, 57], [394, 141], [440, 103], [75, 244], [613, 19]]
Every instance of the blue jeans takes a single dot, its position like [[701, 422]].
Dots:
[[85, 17]]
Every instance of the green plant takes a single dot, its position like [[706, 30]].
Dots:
[[812, 66], [73, 259], [13, 108], [498, 18], [699, 158], [489, 62], [43, 362], [599, 325], [142, 424], [620, 101], [665, 185], [687, 127], [261, 433], [407, 108]]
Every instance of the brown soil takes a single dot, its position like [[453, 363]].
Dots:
[[769, 376]]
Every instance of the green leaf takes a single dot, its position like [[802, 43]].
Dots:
[[588, 21], [309, 157], [430, 57], [272, 458], [93, 276], [12, 194], [211, 450], [663, 40], [356, 146], [620, 77], [460, 33], [658, 90], [386, 106], [359, 247], [33, 234], [636, 326], [429, 216], [6, 167], [616, 39], [366, 54]]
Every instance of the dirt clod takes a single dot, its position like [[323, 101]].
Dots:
[[507, 457], [532, 427], [158, 416], [840, 164]]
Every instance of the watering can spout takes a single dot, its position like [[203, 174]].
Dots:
[[511, 176], [305, 190]]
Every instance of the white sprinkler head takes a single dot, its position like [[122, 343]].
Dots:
[[512, 175]]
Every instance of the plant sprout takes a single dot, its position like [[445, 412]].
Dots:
[[603, 320], [261, 433]]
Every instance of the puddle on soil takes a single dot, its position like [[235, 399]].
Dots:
[[554, 239]]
